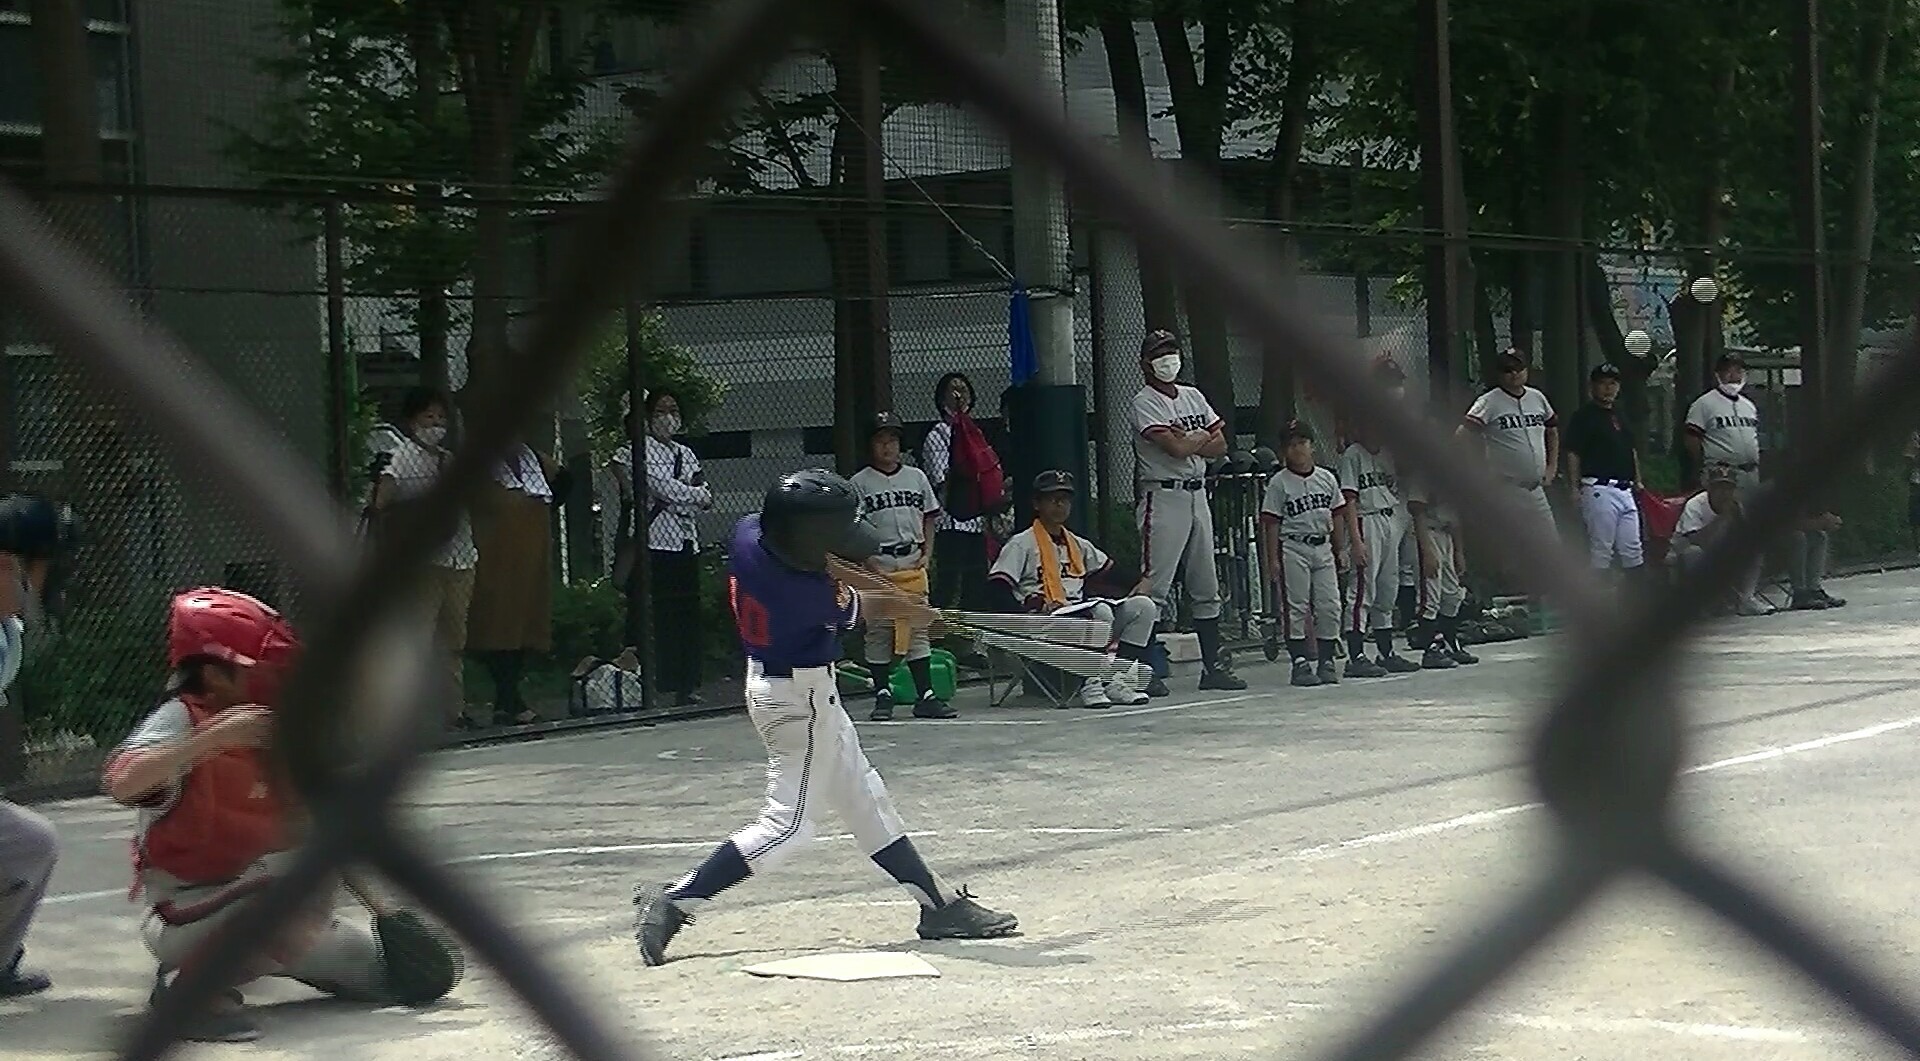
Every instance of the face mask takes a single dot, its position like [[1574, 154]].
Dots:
[[1731, 388], [666, 425], [1166, 367], [433, 436]]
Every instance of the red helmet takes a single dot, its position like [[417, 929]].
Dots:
[[232, 627]]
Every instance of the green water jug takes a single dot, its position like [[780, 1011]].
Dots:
[[945, 679]]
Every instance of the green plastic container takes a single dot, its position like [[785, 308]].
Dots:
[[945, 679]]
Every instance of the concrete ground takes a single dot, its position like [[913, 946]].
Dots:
[[1208, 876]]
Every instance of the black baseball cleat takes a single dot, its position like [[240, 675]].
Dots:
[[882, 707], [19, 981], [931, 706], [1832, 601], [1221, 678], [1329, 672], [1395, 663], [963, 918], [1362, 667], [1436, 658], [1808, 602], [1157, 687], [1460, 654], [1303, 673], [656, 920]]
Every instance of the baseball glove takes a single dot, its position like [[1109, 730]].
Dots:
[[422, 966]]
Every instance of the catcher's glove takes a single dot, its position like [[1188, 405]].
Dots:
[[421, 965]]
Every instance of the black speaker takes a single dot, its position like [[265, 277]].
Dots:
[[1046, 430]]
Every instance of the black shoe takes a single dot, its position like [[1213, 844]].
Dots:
[[1329, 672], [963, 918], [1221, 678], [19, 982], [1303, 673], [931, 706], [1832, 601], [1460, 654], [1395, 663], [882, 707], [1362, 667], [1436, 658], [1808, 602], [1157, 688], [656, 920]]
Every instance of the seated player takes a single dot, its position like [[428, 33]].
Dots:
[[215, 825], [1705, 520], [1297, 532], [1046, 569]]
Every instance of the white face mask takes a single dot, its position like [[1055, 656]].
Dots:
[[1166, 367], [433, 436], [666, 425], [1731, 387]]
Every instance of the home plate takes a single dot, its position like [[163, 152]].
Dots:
[[859, 965]]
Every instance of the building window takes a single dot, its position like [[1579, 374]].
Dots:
[[20, 103]]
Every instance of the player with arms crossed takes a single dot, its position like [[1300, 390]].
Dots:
[[1297, 531], [1521, 434], [898, 502], [790, 615], [1176, 432]]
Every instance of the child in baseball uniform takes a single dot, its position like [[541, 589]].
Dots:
[[1176, 432], [898, 501], [1297, 531], [1521, 435], [1046, 569], [1377, 520], [1437, 542]]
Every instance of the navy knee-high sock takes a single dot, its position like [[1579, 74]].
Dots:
[[1208, 631], [1356, 645], [903, 863], [723, 869]]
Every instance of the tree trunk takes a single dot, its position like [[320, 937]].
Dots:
[[1277, 395], [1199, 111], [861, 383], [1157, 295], [1565, 199], [430, 75], [1818, 389], [1449, 288], [1854, 275]]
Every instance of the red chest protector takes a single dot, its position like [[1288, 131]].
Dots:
[[227, 816]]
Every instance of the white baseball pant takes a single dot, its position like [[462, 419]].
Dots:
[[1176, 536], [814, 764], [1377, 582], [1441, 595], [1131, 618], [1309, 590], [879, 632], [1612, 517], [1533, 499]]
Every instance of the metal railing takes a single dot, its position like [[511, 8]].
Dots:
[[1604, 758]]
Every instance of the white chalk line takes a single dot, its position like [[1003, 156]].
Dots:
[[1314, 853], [1069, 714]]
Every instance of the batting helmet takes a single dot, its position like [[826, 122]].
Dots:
[[229, 626], [809, 514]]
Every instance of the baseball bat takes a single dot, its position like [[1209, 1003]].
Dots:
[[1069, 630], [1084, 662]]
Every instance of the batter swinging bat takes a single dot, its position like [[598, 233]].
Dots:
[[1068, 631]]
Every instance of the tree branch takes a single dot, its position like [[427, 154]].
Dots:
[[782, 139]]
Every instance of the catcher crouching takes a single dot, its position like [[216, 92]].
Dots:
[[215, 828]]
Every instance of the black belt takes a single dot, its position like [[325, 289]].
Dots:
[[908, 549], [770, 670], [1308, 539], [1178, 484], [1623, 484], [1382, 512]]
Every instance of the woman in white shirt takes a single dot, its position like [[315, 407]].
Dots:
[[416, 463], [671, 483]]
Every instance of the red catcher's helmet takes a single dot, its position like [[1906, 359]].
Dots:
[[234, 628]]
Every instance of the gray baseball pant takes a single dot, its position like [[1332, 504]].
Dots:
[[1176, 536], [879, 632], [28, 849], [1309, 590]]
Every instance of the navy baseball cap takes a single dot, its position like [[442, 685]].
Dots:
[[1604, 370], [1053, 481], [1296, 429], [1511, 359], [885, 422]]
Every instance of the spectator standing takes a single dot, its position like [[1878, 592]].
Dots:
[[416, 462], [1176, 432], [676, 492], [959, 579], [512, 613], [1723, 432], [1521, 435], [1601, 462]]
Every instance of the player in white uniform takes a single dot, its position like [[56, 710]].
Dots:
[[1046, 568], [1176, 432], [1723, 433], [898, 501], [1521, 434], [1377, 519], [1441, 565], [1297, 532]]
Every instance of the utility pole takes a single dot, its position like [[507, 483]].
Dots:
[[1046, 416], [1818, 389]]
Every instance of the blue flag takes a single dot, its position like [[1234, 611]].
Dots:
[[1026, 360]]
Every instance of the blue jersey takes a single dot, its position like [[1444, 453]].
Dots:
[[787, 619]]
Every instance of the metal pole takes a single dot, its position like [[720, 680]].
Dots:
[[640, 585], [1809, 217], [1042, 251], [1439, 179], [1097, 339], [339, 378]]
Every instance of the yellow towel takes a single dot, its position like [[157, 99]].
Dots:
[[1050, 584], [910, 580]]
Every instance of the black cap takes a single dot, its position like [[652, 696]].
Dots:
[[1729, 361], [1604, 370], [35, 528], [885, 422], [1511, 358], [1157, 342], [1296, 429], [1053, 481]]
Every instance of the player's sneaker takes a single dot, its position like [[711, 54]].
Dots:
[[963, 918], [931, 706], [1395, 663], [1437, 658], [1460, 655], [1329, 672], [882, 707], [1303, 673], [1362, 667], [1752, 605], [656, 920], [1156, 686], [1808, 602], [18, 981], [1121, 691], [1219, 675], [1832, 601], [1093, 693]]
